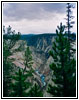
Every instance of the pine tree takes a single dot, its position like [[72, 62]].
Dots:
[[69, 18], [11, 36], [7, 64], [71, 42], [20, 84], [63, 70], [69, 25], [35, 91], [28, 60], [6, 77], [23, 78], [7, 69]]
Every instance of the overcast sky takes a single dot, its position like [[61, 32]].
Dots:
[[35, 17]]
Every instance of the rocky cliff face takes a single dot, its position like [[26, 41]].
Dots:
[[40, 46]]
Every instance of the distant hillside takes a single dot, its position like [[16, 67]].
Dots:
[[25, 36], [32, 38], [45, 35]]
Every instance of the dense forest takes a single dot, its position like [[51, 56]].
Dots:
[[29, 81]]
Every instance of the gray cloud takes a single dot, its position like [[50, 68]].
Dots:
[[18, 11], [35, 17]]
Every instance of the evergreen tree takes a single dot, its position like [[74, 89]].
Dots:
[[7, 64], [28, 60], [20, 84], [22, 78], [35, 91], [64, 75], [69, 19], [11, 36], [7, 68], [71, 42], [69, 25]]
